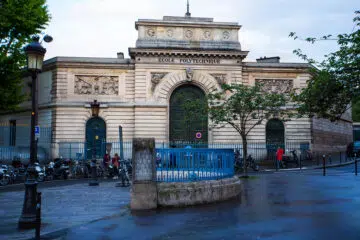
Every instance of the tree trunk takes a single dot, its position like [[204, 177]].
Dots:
[[244, 140]]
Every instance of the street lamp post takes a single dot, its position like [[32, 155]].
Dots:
[[95, 107], [35, 56]]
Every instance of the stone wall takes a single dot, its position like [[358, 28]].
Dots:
[[194, 193], [331, 136]]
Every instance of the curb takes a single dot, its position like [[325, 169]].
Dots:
[[310, 168]]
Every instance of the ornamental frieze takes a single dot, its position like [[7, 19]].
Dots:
[[276, 85], [156, 78], [220, 78], [96, 85]]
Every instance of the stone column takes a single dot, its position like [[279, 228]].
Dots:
[[144, 189]]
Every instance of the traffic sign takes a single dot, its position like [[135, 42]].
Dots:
[[37, 131], [198, 135]]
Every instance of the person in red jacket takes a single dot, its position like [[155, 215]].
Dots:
[[115, 162], [279, 156]]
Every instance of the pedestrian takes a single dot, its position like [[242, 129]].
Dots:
[[279, 157], [106, 160], [115, 162]]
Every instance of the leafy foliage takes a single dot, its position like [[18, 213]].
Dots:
[[335, 83], [19, 20]]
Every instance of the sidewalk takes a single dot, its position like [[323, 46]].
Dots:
[[315, 166], [63, 207]]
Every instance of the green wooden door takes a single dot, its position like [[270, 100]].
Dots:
[[95, 137], [187, 125]]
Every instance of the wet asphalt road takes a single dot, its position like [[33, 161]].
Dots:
[[280, 205]]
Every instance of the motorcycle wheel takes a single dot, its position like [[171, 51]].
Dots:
[[4, 181]]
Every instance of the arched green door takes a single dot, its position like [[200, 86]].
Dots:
[[275, 133], [188, 125], [95, 136]]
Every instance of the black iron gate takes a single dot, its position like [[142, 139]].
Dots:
[[188, 125]]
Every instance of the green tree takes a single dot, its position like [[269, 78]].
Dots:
[[243, 108], [19, 20], [335, 81]]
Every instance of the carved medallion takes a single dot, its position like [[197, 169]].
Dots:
[[156, 78], [226, 35], [220, 78], [96, 85], [188, 34], [151, 32], [276, 85], [207, 35], [170, 33]]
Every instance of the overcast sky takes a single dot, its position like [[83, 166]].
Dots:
[[101, 28]]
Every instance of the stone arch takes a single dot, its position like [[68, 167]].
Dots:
[[171, 81]]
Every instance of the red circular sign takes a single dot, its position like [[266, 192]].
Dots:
[[198, 135]]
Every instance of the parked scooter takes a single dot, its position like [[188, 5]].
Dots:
[[40, 174], [61, 169]]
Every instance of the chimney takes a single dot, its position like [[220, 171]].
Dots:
[[268, 60], [120, 55]]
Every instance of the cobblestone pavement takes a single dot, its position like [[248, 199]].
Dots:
[[63, 207], [279, 205]]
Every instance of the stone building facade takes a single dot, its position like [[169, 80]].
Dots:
[[170, 54]]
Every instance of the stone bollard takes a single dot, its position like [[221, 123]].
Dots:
[[144, 188]]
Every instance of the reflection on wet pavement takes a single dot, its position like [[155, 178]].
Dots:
[[272, 206]]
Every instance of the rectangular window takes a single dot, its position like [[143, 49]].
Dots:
[[12, 141]]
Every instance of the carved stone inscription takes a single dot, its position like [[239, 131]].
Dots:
[[96, 85], [156, 78], [189, 60], [276, 85]]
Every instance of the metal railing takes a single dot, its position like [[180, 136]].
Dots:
[[193, 164]]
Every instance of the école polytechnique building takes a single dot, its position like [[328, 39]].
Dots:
[[173, 57]]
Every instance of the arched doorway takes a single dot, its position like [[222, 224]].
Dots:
[[95, 136], [275, 137], [188, 125], [275, 132]]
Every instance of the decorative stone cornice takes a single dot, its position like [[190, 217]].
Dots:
[[141, 52]]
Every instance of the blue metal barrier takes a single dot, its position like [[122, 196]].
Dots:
[[193, 164]]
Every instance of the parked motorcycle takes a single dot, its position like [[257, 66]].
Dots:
[[239, 162], [251, 162], [5, 177], [61, 169], [40, 174], [294, 159]]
